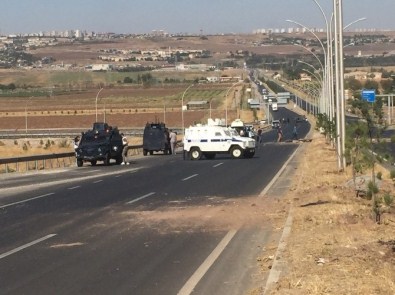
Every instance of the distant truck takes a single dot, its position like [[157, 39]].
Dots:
[[210, 140], [156, 139]]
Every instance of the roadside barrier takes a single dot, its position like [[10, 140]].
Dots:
[[48, 161]]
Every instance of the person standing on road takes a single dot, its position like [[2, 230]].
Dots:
[[125, 147], [259, 136], [173, 141], [279, 133], [295, 133], [76, 142]]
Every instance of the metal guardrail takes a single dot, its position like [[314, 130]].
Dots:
[[46, 161]]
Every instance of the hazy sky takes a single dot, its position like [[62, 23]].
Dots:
[[192, 16]]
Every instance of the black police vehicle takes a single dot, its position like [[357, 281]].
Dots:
[[102, 143], [156, 139]]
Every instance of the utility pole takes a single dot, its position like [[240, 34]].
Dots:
[[339, 74]]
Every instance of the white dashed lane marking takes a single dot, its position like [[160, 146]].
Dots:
[[140, 198], [189, 177], [27, 200], [26, 246]]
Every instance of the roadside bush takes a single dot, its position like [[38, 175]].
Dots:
[[25, 147], [379, 175], [392, 173], [15, 142], [393, 139], [2, 143], [64, 143], [388, 199], [47, 144]]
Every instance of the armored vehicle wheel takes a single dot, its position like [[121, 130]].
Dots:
[[79, 163], [145, 152], [107, 159], [209, 156], [249, 155], [236, 152], [93, 162], [195, 153]]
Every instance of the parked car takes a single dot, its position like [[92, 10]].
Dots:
[[275, 124]]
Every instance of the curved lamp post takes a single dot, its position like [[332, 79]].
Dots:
[[182, 107], [97, 96]]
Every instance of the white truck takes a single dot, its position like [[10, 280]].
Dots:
[[209, 140]]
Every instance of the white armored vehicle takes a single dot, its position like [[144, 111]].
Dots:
[[209, 140]]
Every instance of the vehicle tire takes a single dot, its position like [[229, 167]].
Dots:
[[93, 163], [209, 156], [195, 153], [79, 163], [236, 152], [151, 152], [165, 152], [145, 152], [107, 159], [249, 155]]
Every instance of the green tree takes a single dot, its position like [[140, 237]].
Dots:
[[371, 84], [361, 152]]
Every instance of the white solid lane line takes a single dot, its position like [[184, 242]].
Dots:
[[192, 176], [219, 164], [26, 246], [27, 200], [140, 198], [97, 181], [205, 266]]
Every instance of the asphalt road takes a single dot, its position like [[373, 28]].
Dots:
[[93, 230]]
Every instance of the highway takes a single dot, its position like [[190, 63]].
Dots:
[[162, 225]]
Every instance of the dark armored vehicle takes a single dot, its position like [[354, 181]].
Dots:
[[102, 143], [156, 139]]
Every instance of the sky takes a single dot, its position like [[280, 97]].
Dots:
[[185, 16]]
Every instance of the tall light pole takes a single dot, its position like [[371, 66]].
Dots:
[[226, 101], [182, 107], [26, 113], [97, 96], [322, 108], [323, 103]]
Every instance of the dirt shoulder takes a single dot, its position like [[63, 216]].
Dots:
[[334, 246]]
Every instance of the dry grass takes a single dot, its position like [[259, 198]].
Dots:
[[335, 246]]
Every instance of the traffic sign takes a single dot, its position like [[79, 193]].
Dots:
[[369, 95]]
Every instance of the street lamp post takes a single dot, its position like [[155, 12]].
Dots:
[[182, 107], [97, 96], [226, 101], [26, 113]]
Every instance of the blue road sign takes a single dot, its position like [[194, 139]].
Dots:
[[369, 95]]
